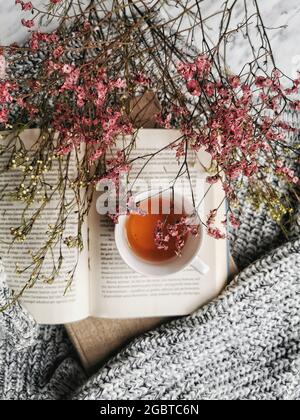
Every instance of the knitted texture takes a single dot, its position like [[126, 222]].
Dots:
[[244, 345], [18, 334], [34, 361]]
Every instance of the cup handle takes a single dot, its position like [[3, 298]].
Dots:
[[200, 266]]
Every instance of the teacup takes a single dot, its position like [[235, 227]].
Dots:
[[189, 254]]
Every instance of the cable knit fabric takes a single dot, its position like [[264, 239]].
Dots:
[[34, 360], [245, 345]]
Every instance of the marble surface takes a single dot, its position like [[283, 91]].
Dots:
[[10, 16], [284, 15], [283, 19]]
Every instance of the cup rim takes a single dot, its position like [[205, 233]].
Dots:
[[119, 230]]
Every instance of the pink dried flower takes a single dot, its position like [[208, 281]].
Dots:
[[21, 102], [52, 67], [194, 87], [198, 69], [211, 229], [3, 116], [203, 65], [164, 232], [211, 217], [102, 91], [71, 80], [235, 82], [269, 83], [279, 164], [27, 6], [292, 91], [296, 105], [142, 79], [260, 81], [27, 23], [165, 122], [186, 70], [209, 89], [287, 173], [235, 223], [67, 69], [5, 96], [117, 167], [81, 96], [161, 239], [87, 26], [216, 233], [276, 74], [34, 42], [97, 155], [58, 52], [118, 84], [212, 179], [179, 111]]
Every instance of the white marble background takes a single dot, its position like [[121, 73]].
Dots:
[[277, 14], [282, 15]]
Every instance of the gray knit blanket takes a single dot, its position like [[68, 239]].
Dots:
[[244, 345]]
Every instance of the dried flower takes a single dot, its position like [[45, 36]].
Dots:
[[235, 223], [26, 6], [179, 231], [28, 23], [212, 230]]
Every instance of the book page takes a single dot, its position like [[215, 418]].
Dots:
[[48, 303], [119, 292]]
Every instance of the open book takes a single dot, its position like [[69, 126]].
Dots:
[[104, 286]]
